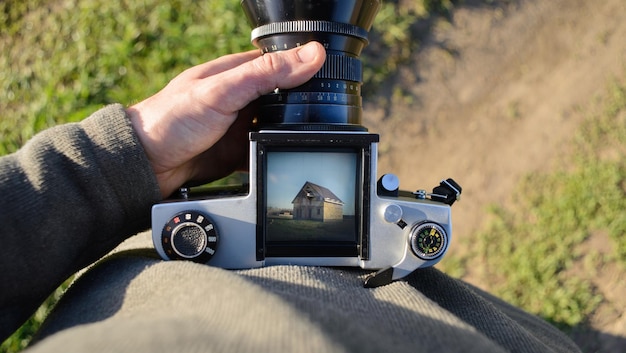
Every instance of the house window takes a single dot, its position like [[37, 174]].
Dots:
[[319, 211]]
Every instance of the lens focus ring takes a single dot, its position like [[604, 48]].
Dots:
[[341, 67], [309, 26]]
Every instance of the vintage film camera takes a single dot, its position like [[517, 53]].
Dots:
[[313, 197]]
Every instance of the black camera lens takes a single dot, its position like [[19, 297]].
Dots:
[[331, 100]]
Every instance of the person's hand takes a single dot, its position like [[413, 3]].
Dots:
[[190, 130]]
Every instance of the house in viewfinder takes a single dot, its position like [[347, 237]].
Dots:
[[315, 202]]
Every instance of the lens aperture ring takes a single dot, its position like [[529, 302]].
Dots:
[[329, 85], [309, 26], [311, 98]]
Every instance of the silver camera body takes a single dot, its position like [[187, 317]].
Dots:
[[312, 199]]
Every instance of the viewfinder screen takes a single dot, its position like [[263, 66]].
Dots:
[[311, 196], [313, 193]]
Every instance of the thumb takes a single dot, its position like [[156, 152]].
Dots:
[[233, 89]]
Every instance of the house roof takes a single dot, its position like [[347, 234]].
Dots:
[[318, 190]]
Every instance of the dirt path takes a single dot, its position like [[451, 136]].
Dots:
[[496, 94]]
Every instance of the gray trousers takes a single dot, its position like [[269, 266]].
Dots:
[[133, 302]]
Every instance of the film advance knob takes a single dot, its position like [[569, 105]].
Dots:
[[190, 235]]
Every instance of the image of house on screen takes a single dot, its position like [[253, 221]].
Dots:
[[315, 202]]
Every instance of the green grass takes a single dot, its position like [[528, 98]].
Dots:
[[310, 230], [61, 61]]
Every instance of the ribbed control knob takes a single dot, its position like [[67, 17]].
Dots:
[[190, 235]]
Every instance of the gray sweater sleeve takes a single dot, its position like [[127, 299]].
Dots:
[[68, 197]]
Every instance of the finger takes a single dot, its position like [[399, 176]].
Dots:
[[220, 64], [231, 90]]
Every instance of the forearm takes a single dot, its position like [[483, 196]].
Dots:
[[68, 197]]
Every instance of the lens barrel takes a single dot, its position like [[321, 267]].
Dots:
[[331, 100]]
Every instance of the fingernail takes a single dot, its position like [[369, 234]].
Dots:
[[308, 52]]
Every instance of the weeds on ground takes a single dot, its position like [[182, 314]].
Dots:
[[532, 254]]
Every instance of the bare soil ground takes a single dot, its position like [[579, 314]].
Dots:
[[494, 94]]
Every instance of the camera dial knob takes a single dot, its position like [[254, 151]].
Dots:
[[388, 185], [428, 240], [190, 235]]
